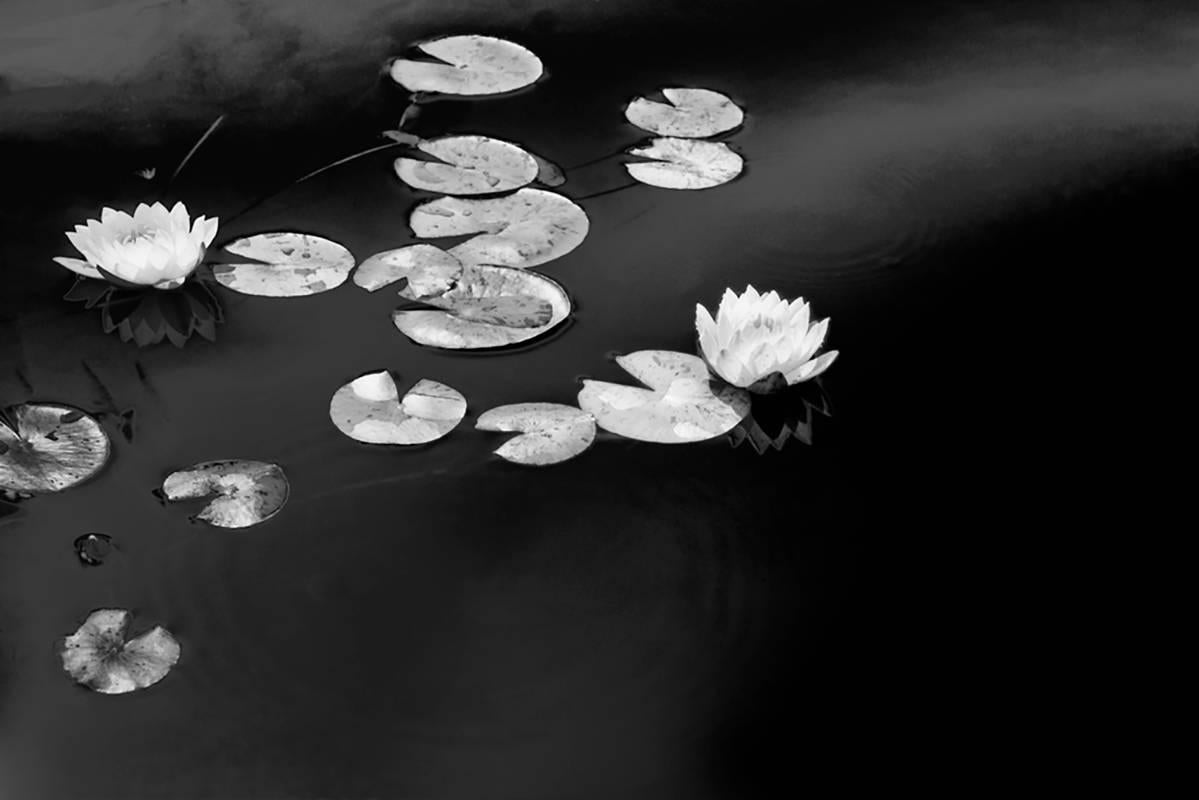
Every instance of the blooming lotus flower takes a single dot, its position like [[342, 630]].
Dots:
[[154, 247], [755, 337]]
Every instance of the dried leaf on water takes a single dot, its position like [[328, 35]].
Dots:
[[291, 265], [550, 432], [246, 492], [690, 112], [468, 165], [680, 406], [523, 229], [98, 656], [369, 409], [469, 65], [46, 447], [685, 164], [487, 307]]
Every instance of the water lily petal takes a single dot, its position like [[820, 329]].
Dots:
[[78, 266], [812, 368]]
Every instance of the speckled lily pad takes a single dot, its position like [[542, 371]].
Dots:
[[690, 113], [685, 164], [291, 265], [550, 432], [680, 406], [468, 65], [49, 448], [428, 270], [369, 409], [98, 656], [468, 165], [246, 492]]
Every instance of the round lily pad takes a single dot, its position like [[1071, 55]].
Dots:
[[468, 165], [680, 406], [369, 409], [98, 656], [688, 112], [685, 164], [550, 433], [46, 447], [245, 493], [468, 65], [428, 270], [290, 265]]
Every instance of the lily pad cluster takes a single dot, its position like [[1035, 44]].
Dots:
[[682, 155]]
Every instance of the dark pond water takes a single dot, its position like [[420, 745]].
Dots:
[[643, 621]]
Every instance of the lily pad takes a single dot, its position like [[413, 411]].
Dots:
[[469, 65], [524, 229], [550, 432], [680, 406], [428, 270], [369, 409], [468, 165], [45, 447], [548, 173], [488, 307], [690, 113], [685, 164], [247, 492], [98, 656], [291, 265]]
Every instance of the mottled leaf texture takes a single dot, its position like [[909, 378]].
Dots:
[[468, 165], [428, 270], [369, 409], [685, 164], [49, 448], [245, 493], [291, 265], [523, 229], [550, 433], [99, 657], [689, 113], [468, 65], [680, 406]]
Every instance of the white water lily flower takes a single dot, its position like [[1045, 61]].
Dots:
[[153, 247], [754, 336]]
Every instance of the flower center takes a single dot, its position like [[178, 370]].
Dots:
[[137, 235]]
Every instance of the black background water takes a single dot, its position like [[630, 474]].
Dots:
[[644, 621]]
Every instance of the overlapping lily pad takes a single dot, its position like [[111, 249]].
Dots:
[[98, 656], [487, 307], [680, 406], [469, 65], [245, 493], [550, 432], [523, 229], [369, 409], [690, 113], [46, 447], [468, 165], [428, 270], [289, 265], [685, 164]]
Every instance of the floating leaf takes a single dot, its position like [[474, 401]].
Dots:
[[293, 265], [369, 409], [247, 492], [93, 548], [45, 447], [548, 173], [690, 113], [468, 165], [680, 406], [685, 164], [472, 65], [98, 656], [488, 307], [524, 229], [428, 269], [550, 432]]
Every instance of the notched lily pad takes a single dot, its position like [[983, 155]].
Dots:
[[468, 165], [469, 65], [98, 656], [685, 164], [488, 307], [247, 492], [45, 447], [428, 270], [680, 406], [369, 409], [690, 113], [550, 432], [523, 229], [292, 265]]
